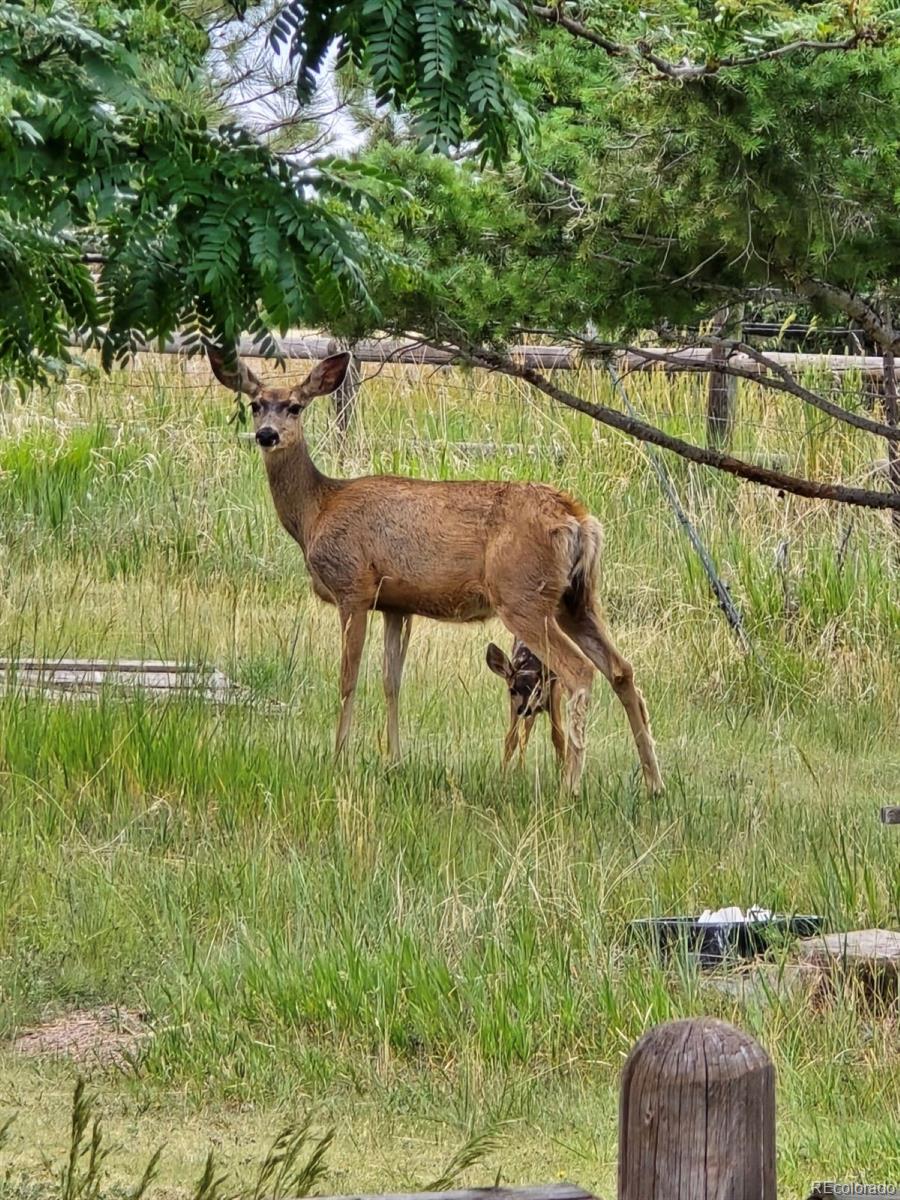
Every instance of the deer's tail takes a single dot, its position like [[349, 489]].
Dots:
[[587, 543]]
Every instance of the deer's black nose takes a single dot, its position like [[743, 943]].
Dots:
[[267, 437]]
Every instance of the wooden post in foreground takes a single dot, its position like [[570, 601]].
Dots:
[[697, 1115]]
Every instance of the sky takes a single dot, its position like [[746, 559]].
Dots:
[[256, 82]]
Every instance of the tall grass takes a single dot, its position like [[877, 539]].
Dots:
[[433, 938]]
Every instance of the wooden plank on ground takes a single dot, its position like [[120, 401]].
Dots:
[[870, 958], [94, 664], [878, 946], [86, 678], [550, 1191]]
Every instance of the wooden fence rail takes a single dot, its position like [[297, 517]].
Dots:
[[554, 358]]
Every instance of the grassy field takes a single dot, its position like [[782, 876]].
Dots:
[[424, 953]]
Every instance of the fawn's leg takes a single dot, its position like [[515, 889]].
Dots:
[[588, 631], [512, 734], [527, 726], [557, 728], [543, 636], [397, 629], [353, 638]]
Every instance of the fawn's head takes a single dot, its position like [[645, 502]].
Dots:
[[277, 412], [524, 675]]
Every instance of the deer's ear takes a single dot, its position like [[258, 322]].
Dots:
[[240, 380], [498, 662], [325, 376]]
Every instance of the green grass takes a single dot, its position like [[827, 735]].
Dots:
[[419, 951]]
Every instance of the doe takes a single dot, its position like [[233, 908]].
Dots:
[[452, 551]]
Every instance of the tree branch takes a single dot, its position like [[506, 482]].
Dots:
[[555, 16], [853, 305], [692, 71], [688, 72], [784, 381], [796, 485]]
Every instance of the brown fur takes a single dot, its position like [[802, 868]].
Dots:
[[452, 551]]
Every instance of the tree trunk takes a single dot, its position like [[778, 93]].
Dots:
[[721, 397]]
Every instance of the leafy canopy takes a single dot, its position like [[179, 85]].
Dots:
[[125, 216], [650, 200], [684, 151]]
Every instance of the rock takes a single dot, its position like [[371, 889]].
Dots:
[[871, 957], [770, 983]]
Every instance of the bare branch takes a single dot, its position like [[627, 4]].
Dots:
[[688, 72], [691, 71], [784, 381], [794, 484], [555, 16], [850, 303]]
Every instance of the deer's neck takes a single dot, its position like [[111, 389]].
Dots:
[[298, 488]]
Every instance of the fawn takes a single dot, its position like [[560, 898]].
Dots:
[[532, 690], [451, 551]]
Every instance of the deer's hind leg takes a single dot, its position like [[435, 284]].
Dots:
[[544, 637], [353, 638], [557, 727], [397, 629], [589, 632]]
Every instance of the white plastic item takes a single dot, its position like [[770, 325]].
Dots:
[[733, 915]]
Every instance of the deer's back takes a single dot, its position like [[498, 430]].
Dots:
[[432, 548]]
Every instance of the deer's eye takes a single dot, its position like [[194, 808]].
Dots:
[[294, 409], [255, 407]]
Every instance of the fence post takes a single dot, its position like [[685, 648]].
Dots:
[[344, 396], [721, 394], [697, 1115]]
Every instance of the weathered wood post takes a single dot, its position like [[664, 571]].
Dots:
[[344, 396], [697, 1115], [721, 394]]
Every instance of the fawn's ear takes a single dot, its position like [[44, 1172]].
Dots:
[[323, 378], [498, 662], [241, 379]]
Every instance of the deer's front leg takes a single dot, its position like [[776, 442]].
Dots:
[[353, 638], [396, 642]]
